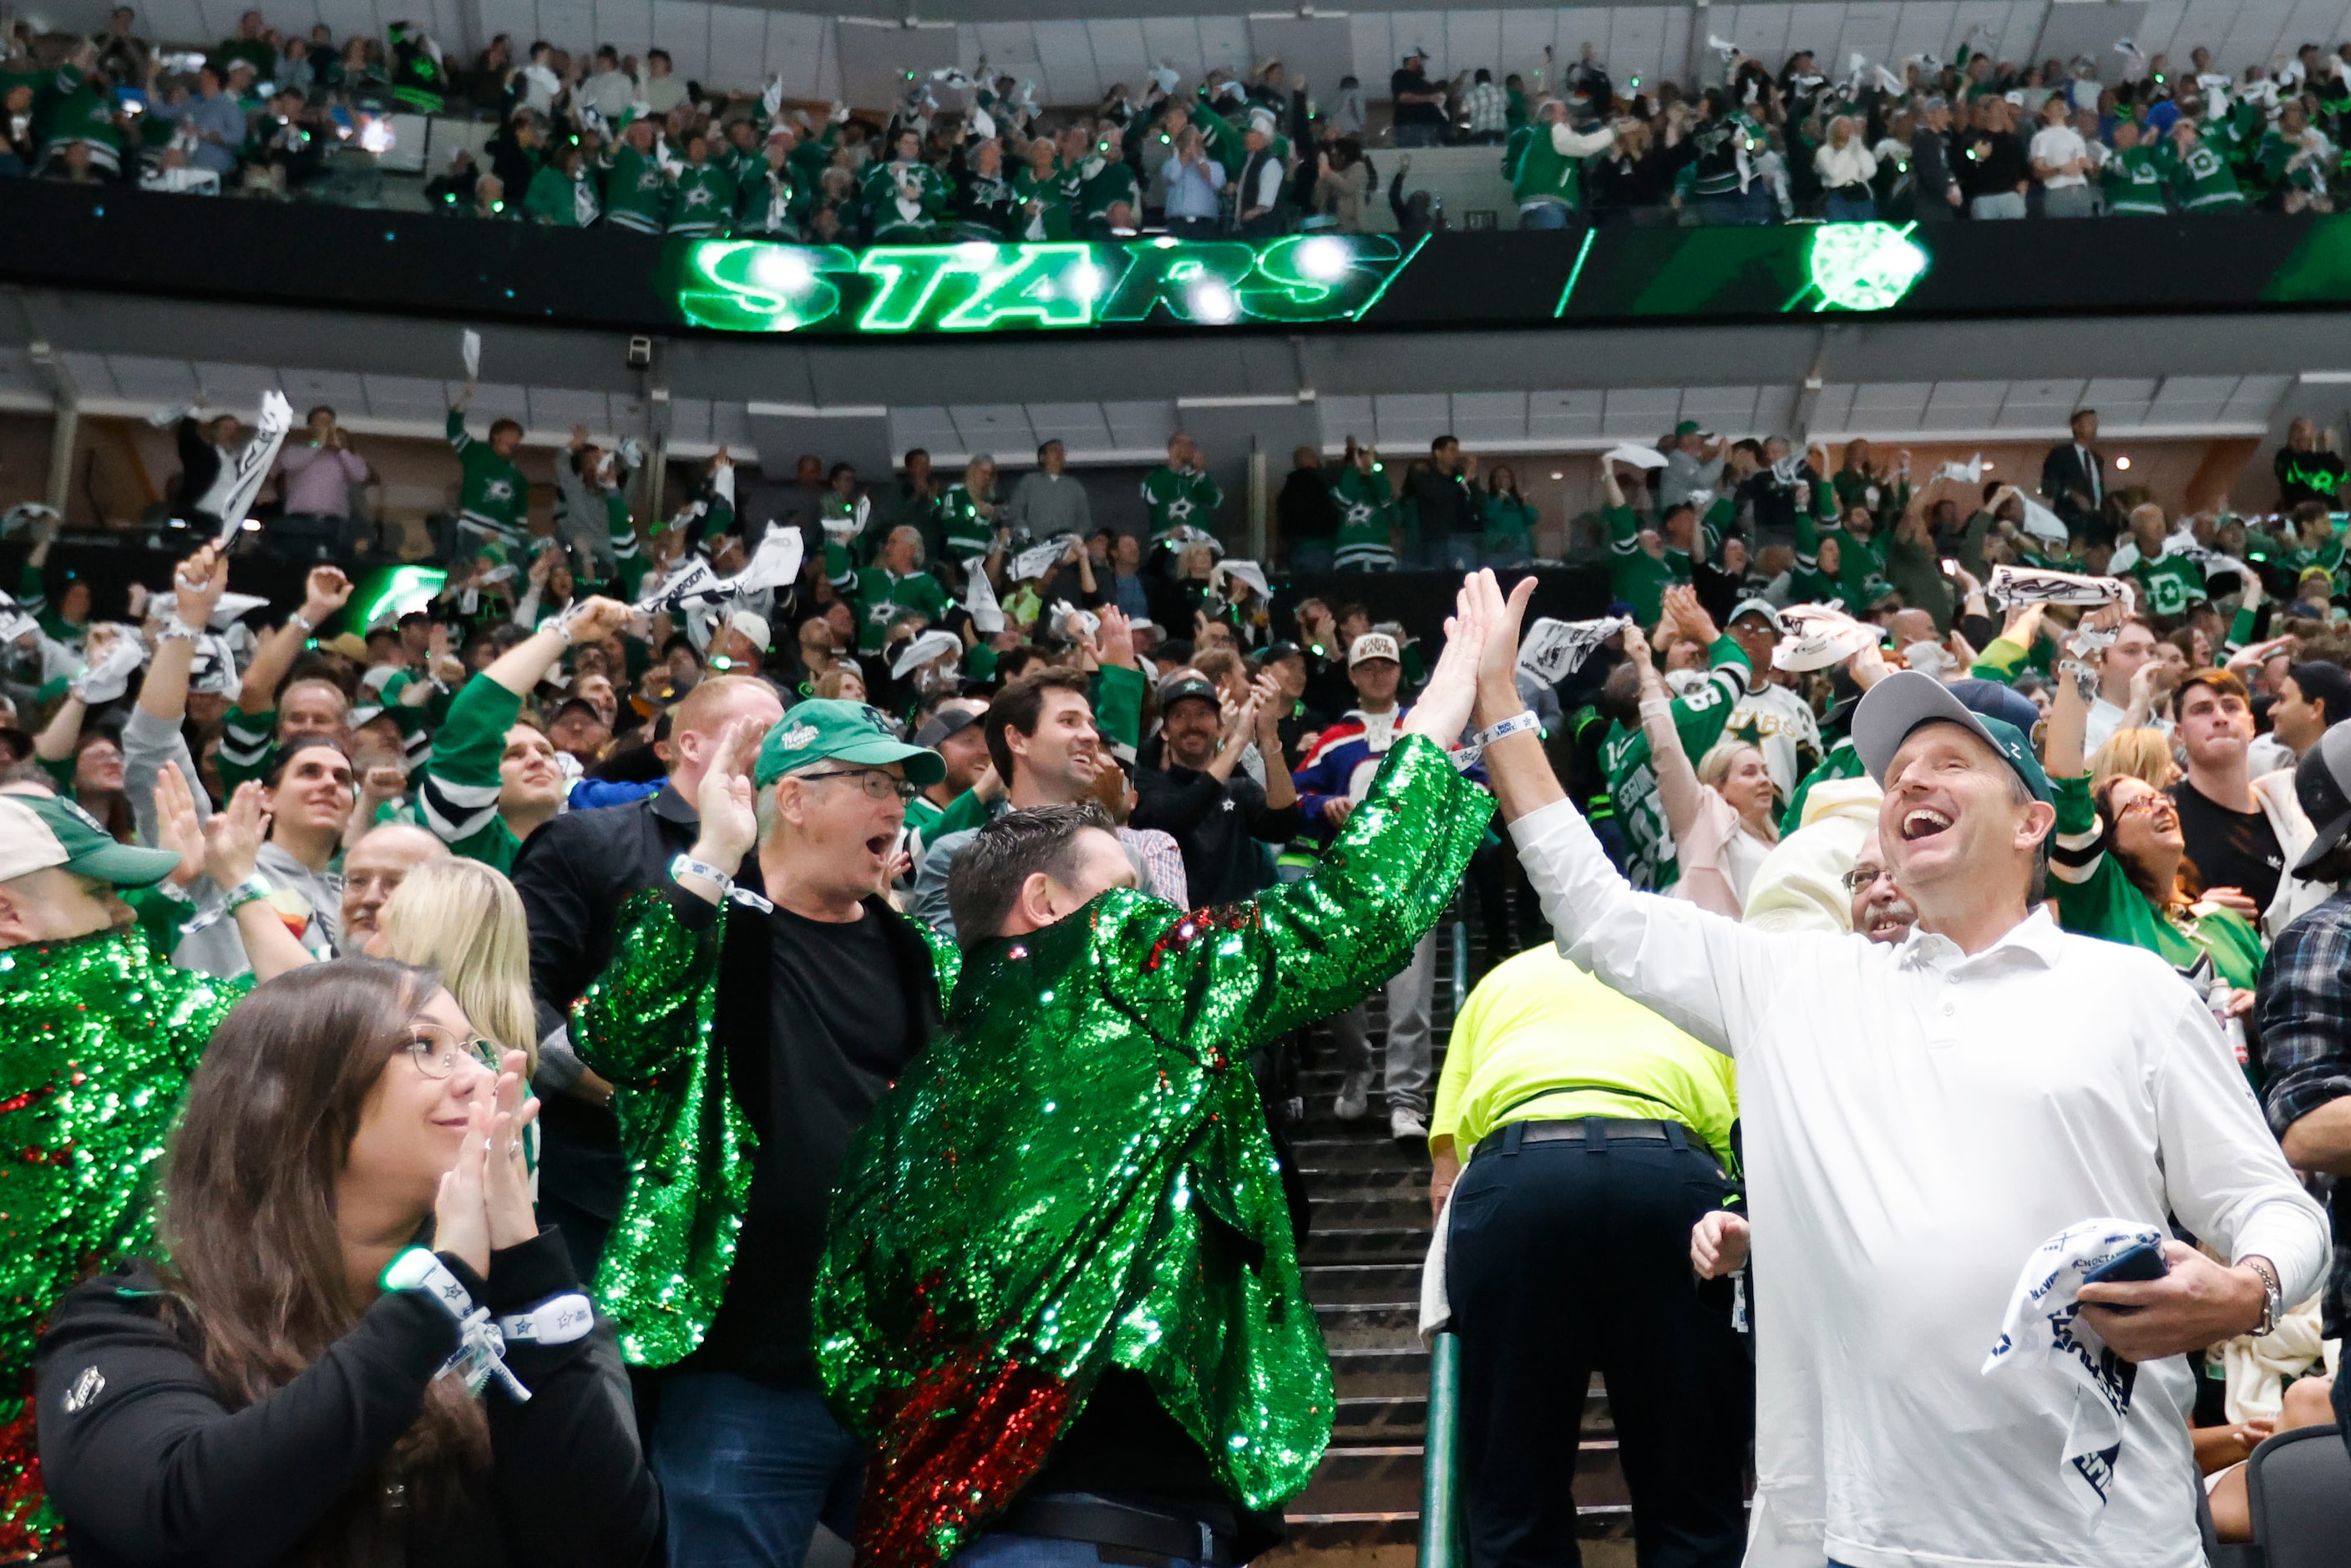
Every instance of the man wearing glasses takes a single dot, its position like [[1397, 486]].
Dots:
[[746, 1040]]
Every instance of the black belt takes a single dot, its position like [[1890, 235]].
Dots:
[[1582, 1129], [1121, 1532]]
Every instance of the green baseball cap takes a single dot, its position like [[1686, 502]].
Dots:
[[826, 729], [1687, 427], [37, 832], [1898, 704]]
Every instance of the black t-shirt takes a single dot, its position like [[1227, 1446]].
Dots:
[[1992, 163], [2231, 849], [839, 1031], [1402, 82]]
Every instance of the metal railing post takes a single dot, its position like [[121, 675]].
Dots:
[[1441, 1532]]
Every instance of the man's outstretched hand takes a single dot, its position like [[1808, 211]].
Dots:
[[1497, 618]]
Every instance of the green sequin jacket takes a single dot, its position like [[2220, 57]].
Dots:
[[1078, 1175], [98, 1037], [648, 1024]]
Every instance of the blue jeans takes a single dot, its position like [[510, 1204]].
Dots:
[[1311, 555], [2005, 204], [1752, 205], [748, 1471], [1463, 552], [1419, 136], [1543, 215], [1851, 209], [1007, 1551]]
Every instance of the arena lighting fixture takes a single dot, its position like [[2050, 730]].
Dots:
[[2123, 463]]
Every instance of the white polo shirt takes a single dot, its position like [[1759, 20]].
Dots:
[[1918, 1122]]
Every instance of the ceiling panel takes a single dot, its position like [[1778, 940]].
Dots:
[[1000, 430], [1833, 410], [1645, 412], [1489, 416], [1565, 415], [555, 410], [2190, 399], [407, 397], [2256, 398], [237, 385], [1728, 409], [689, 421], [1962, 405], [1080, 427], [1408, 421], [1344, 418], [156, 380], [1142, 424], [928, 428]]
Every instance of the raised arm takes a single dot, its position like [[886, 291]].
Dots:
[[324, 592], [1703, 971], [1676, 776]]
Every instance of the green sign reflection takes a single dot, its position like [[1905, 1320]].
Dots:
[[749, 286]]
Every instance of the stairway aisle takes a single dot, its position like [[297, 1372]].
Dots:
[[1363, 1259]]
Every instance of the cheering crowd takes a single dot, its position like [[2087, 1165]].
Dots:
[[597, 136], [691, 1032]]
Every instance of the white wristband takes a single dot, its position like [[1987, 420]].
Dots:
[[1475, 747], [174, 628], [558, 1320]]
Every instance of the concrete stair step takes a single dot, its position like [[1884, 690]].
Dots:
[[1386, 1478], [1378, 1244], [1334, 1155], [1403, 1206], [1369, 1324], [1336, 1283]]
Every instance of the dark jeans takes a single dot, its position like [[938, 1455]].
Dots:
[[1569, 1256], [748, 1471], [1419, 136]]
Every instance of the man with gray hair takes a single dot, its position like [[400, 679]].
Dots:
[[895, 587], [746, 1039]]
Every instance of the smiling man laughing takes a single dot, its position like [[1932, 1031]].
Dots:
[[1921, 1116]]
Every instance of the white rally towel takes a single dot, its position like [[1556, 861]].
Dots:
[[1039, 560], [1555, 650], [1632, 455], [469, 349], [244, 474], [922, 650], [2038, 586], [1818, 637], [979, 598], [2076, 1378]]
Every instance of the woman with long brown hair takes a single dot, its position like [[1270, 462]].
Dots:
[[303, 1383]]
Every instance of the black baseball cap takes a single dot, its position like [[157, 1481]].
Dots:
[[2322, 784], [1187, 682], [1285, 649], [944, 725]]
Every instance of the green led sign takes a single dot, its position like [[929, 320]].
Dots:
[[750, 285], [1860, 266]]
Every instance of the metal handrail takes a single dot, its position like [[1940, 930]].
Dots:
[[1442, 1533]]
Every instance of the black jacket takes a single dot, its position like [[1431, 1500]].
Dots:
[[2067, 483], [572, 876], [1304, 508], [1216, 825], [151, 1465], [200, 464]]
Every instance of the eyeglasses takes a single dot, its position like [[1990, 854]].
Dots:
[[2146, 802], [1861, 877], [436, 1052], [877, 784]]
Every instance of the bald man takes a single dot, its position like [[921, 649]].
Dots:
[[572, 875], [373, 870]]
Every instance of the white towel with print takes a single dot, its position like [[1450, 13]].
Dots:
[[2076, 1378]]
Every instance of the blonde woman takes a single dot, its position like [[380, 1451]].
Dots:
[[464, 921], [2142, 752]]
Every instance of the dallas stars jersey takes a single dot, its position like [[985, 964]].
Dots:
[[1102, 184], [2134, 181], [1538, 172], [883, 596], [1700, 718], [2169, 584], [906, 200], [1366, 521], [458, 795], [769, 205], [987, 208], [1722, 166], [1636, 576], [495, 499], [1050, 219], [2205, 181], [76, 111], [701, 200], [968, 530], [1180, 499], [566, 201], [635, 194]]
